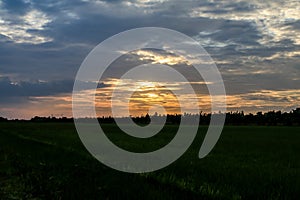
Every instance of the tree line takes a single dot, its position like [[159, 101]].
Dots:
[[271, 118]]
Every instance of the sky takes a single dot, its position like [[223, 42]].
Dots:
[[255, 45]]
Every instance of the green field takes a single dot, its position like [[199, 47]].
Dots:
[[48, 161]]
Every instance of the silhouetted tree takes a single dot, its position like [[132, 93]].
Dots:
[[272, 118], [2, 119]]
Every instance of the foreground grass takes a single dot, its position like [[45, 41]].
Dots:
[[48, 161]]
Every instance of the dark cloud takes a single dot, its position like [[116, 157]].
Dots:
[[266, 98], [295, 24], [16, 6], [239, 32], [21, 91], [38, 88], [76, 26], [47, 61]]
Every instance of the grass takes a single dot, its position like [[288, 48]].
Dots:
[[48, 161]]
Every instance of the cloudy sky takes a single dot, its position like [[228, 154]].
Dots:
[[255, 45]]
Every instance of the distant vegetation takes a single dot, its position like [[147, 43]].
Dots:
[[272, 118]]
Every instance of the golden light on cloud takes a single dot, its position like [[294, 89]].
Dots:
[[158, 58], [264, 100], [145, 95], [148, 95], [151, 95]]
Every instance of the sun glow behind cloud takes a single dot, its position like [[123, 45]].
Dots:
[[141, 102], [145, 94]]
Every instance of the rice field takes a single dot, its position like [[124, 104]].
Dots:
[[48, 161]]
